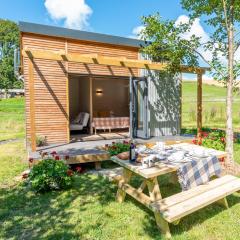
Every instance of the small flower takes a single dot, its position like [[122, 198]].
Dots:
[[221, 159], [53, 153], [25, 175], [70, 172], [78, 169], [57, 158], [223, 139], [113, 142], [194, 141], [30, 160]]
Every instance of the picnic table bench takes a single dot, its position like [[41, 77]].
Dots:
[[173, 208]]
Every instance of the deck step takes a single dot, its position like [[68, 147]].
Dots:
[[179, 205]]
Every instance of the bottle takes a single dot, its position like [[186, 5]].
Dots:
[[132, 153]]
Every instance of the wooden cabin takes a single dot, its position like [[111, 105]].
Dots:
[[69, 71]]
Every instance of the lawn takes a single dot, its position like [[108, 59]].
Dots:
[[89, 211], [214, 104], [12, 118]]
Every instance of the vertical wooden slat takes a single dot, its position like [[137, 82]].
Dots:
[[199, 103], [32, 105], [67, 94], [91, 103]]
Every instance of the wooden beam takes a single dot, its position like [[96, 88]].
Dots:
[[199, 103], [105, 60], [32, 105]]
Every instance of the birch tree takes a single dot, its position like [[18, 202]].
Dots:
[[167, 44]]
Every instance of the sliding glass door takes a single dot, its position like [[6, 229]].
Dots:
[[139, 107]]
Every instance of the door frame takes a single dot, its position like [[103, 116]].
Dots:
[[134, 132]]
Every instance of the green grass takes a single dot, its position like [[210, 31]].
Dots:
[[89, 211], [12, 118], [214, 100], [12, 162]]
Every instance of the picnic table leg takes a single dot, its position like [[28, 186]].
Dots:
[[125, 179], [97, 165], [142, 186], [223, 202], [155, 195], [173, 178]]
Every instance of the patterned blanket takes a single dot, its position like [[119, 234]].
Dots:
[[198, 171]]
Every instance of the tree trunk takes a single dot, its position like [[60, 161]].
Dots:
[[229, 123]]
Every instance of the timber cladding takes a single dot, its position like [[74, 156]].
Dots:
[[48, 114]]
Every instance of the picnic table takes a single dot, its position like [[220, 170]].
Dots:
[[173, 208]]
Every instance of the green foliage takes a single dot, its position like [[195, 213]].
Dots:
[[41, 141], [167, 43], [116, 148], [215, 139], [49, 175], [9, 40], [219, 16]]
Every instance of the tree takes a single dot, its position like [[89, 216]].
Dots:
[[9, 40], [167, 43]]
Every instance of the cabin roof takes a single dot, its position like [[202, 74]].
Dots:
[[78, 35]]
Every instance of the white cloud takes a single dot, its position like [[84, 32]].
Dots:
[[198, 31], [136, 32], [75, 13]]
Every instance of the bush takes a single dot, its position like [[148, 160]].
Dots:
[[50, 174], [116, 148], [214, 139], [41, 141]]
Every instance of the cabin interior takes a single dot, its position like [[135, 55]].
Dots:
[[101, 97]]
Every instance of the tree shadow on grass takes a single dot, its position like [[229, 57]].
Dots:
[[53, 215], [77, 212], [188, 222]]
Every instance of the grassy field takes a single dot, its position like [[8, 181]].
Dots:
[[89, 211], [12, 118], [214, 104]]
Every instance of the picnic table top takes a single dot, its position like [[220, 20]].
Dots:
[[160, 168]]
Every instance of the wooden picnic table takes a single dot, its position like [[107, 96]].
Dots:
[[162, 207]]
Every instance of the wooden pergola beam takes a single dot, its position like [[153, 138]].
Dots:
[[103, 60]]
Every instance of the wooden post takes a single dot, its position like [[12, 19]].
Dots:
[[91, 105], [199, 103], [181, 102], [67, 95], [32, 104]]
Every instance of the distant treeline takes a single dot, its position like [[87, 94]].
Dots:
[[9, 40]]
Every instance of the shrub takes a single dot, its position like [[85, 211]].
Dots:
[[214, 139], [41, 141], [116, 148], [50, 174]]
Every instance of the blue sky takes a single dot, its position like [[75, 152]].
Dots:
[[116, 17]]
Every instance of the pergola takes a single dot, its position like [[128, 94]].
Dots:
[[31, 54]]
